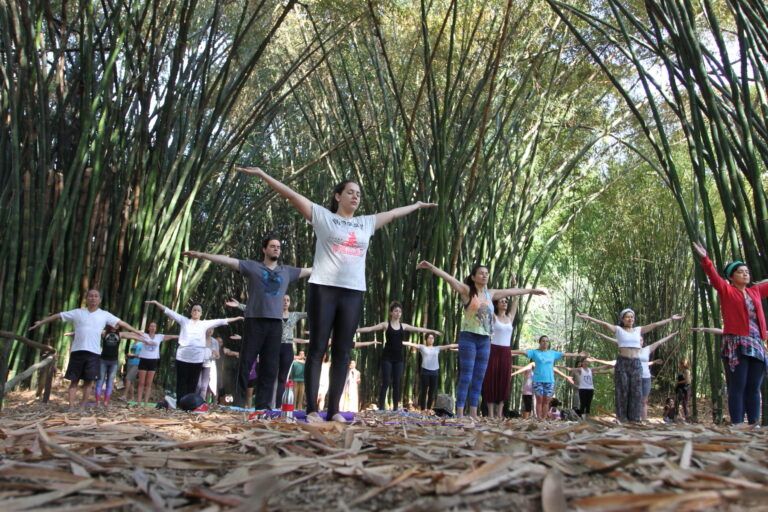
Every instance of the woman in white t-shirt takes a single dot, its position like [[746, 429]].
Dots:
[[338, 280], [191, 351], [628, 376], [582, 375], [430, 369]]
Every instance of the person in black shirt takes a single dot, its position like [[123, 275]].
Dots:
[[392, 355], [110, 348]]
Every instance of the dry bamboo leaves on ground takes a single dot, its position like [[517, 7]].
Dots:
[[123, 458]]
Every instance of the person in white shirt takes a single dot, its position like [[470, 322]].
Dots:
[[209, 375], [148, 360], [85, 351], [338, 280], [191, 351], [430, 368], [628, 374], [582, 374]]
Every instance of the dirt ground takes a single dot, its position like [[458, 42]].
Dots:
[[122, 458]]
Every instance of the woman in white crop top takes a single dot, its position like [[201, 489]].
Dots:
[[644, 355], [628, 376]]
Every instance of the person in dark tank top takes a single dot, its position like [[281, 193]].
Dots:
[[392, 356]]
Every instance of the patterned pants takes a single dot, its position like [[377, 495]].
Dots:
[[628, 381], [474, 351]]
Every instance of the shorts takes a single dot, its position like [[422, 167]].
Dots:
[[528, 403], [83, 365], [543, 388], [148, 365], [131, 372], [646, 389]]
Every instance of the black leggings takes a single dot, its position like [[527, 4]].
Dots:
[[261, 338], [391, 375], [585, 400], [286, 360], [428, 388], [330, 308], [681, 398], [528, 403], [187, 375]]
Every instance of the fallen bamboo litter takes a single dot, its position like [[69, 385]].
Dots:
[[145, 459]]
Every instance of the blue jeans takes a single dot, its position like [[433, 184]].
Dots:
[[744, 384], [107, 371], [474, 351]]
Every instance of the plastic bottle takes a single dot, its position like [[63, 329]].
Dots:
[[286, 409]]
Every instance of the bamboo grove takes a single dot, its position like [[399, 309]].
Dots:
[[526, 122]]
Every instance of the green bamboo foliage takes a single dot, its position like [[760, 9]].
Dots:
[[475, 107], [713, 95], [118, 123]]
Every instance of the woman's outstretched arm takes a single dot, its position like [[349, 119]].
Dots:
[[514, 292], [612, 340], [301, 203], [606, 325], [662, 341], [710, 330], [372, 328], [461, 288], [647, 328], [384, 218], [423, 330]]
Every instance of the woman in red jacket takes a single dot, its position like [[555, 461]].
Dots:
[[743, 351]]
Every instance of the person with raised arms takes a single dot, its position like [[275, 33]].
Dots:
[[338, 279], [476, 329], [544, 373], [267, 283], [582, 375], [497, 376], [287, 340], [430, 368], [392, 356], [744, 333], [85, 351], [645, 359], [628, 374], [148, 360], [527, 391], [192, 342]]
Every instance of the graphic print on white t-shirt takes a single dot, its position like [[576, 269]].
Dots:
[[349, 246], [340, 248]]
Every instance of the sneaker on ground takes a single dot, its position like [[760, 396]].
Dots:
[[202, 408], [258, 414]]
